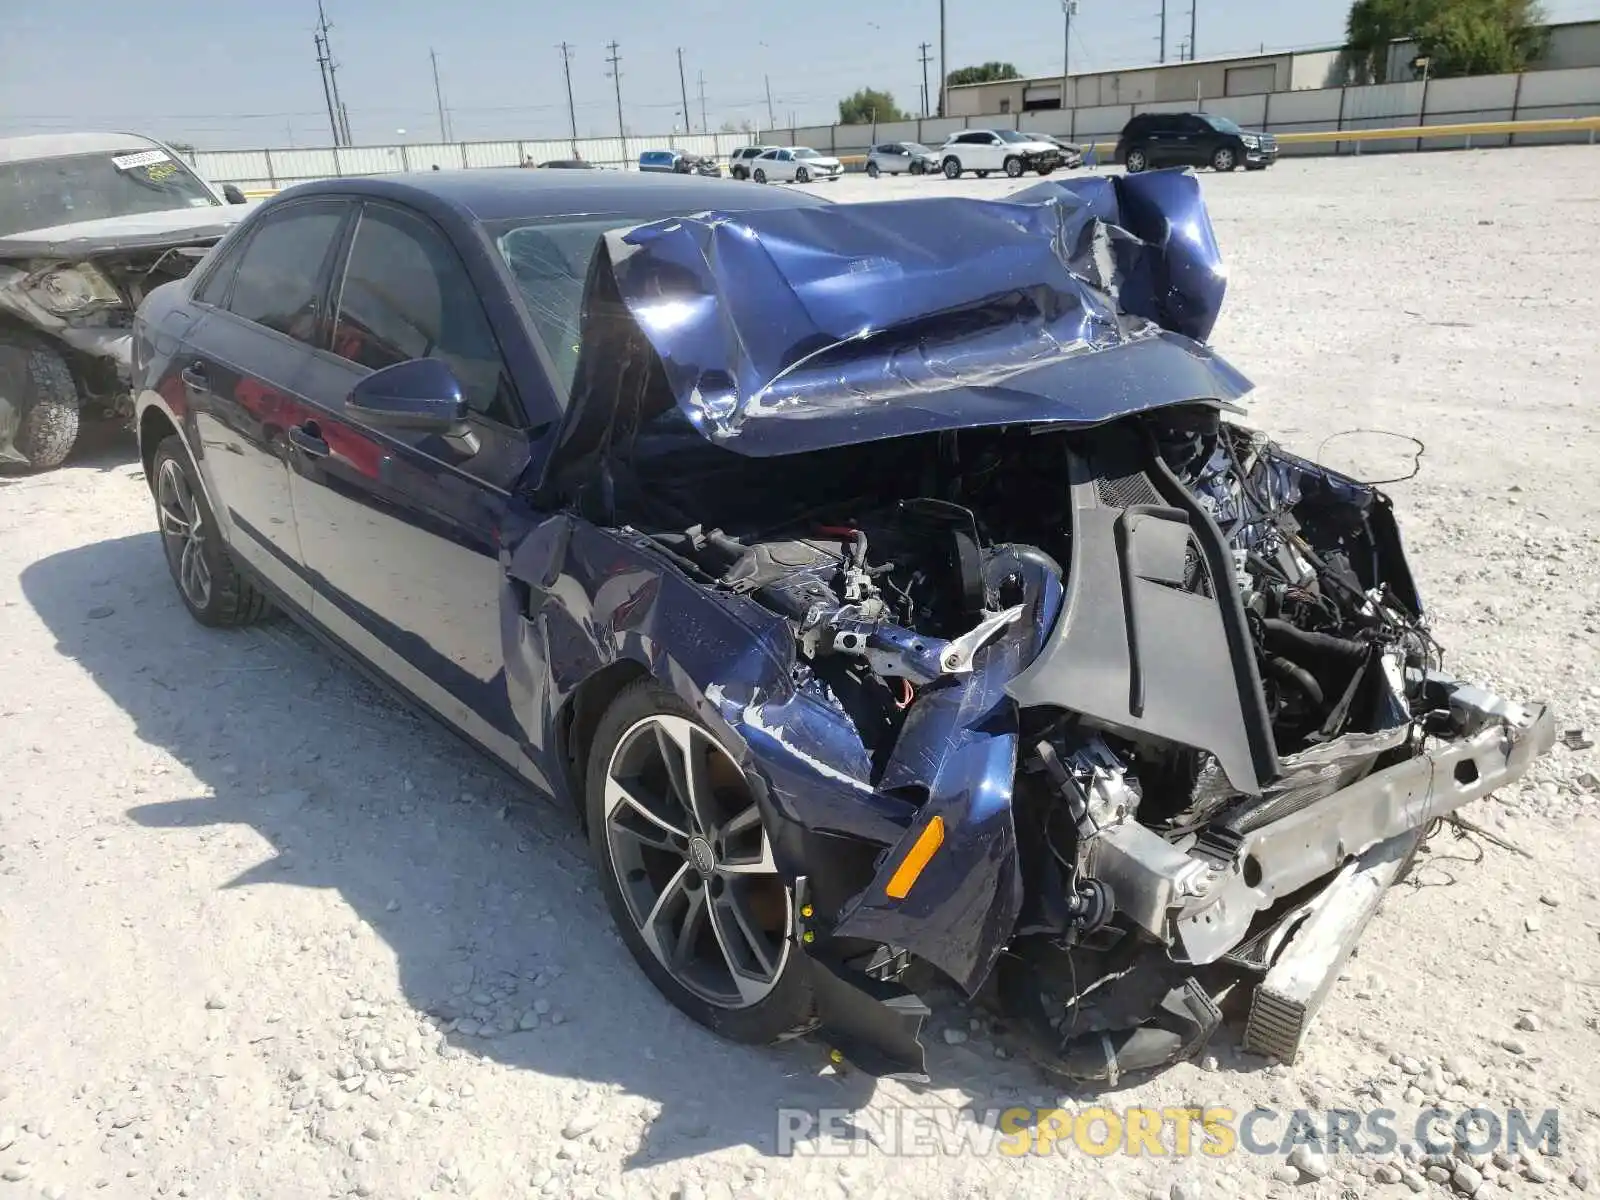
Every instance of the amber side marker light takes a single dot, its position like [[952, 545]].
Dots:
[[918, 857]]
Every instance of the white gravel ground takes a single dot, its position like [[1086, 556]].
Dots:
[[235, 881]]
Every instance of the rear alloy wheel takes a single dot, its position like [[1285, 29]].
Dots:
[[1224, 159], [1014, 167], [952, 168], [873, 170], [760, 176], [802, 176], [1135, 162], [688, 871], [210, 586]]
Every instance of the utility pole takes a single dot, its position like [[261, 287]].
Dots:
[[438, 96], [572, 111], [924, 47], [1163, 57], [683, 91], [1068, 8], [1193, 4], [944, 64], [342, 118], [616, 74], [704, 125], [327, 93], [772, 121]]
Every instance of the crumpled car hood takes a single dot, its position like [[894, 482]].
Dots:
[[137, 231], [790, 330]]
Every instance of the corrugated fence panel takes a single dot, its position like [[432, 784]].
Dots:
[[1577, 87], [1306, 110], [1480, 94], [494, 154], [303, 164], [1534, 96], [1103, 123], [1247, 111], [231, 164], [423, 155]]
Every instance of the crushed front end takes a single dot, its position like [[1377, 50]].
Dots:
[[1093, 699]]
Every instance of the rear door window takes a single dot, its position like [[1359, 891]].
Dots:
[[280, 276]]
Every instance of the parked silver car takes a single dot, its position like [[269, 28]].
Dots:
[[901, 158]]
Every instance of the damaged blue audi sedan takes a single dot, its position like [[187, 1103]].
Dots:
[[890, 589]]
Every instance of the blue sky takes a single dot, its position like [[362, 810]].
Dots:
[[227, 73]]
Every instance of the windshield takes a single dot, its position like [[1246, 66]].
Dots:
[[805, 152], [43, 192], [1011, 135], [1223, 125]]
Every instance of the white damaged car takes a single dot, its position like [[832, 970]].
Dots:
[[89, 224]]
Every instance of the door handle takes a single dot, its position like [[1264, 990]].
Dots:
[[308, 440], [194, 375]]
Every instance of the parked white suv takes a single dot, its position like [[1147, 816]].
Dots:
[[740, 160], [983, 150]]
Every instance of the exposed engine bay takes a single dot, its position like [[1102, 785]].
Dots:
[[902, 566]]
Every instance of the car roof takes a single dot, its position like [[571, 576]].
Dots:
[[502, 193], [60, 145]]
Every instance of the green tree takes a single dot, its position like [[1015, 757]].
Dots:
[[990, 72], [1482, 37], [868, 106], [1459, 37]]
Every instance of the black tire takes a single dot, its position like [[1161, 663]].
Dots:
[[789, 1006], [915, 168], [802, 175], [739, 173], [1014, 167], [760, 176], [1224, 158], [1135, 161], [981, 174], [873, 170], [952, 167], [232, 599], [38, 385], [1045, 170]]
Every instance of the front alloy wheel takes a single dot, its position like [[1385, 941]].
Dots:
[[952, 168], [1224, 159], [1135, 162], [873, 170], [802, 176], [760, 176], [689, 871]]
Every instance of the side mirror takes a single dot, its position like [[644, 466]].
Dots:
[[232, 194], [421, 394]]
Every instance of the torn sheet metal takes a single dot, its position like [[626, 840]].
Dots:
[[788, 330]]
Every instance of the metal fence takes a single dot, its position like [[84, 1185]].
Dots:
[[1533, 95]]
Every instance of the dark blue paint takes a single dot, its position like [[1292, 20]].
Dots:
[[784, 324], [787, 330]]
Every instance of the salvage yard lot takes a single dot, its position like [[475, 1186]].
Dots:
[[235, 880]]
